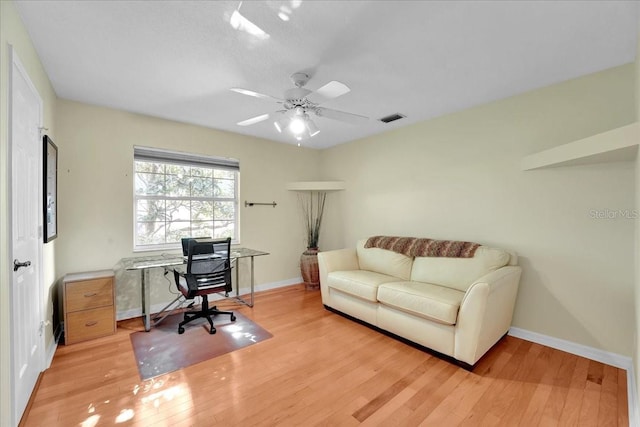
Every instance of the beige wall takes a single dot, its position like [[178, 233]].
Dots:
[[459, 177], [13, 33], [96, 192]]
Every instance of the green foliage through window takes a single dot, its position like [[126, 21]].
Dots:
[[173, 201]]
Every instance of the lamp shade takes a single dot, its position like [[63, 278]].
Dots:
[[311, 127]]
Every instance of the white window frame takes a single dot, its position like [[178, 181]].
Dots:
[[184, 159]]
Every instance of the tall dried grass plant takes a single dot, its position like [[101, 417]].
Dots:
[[312, 204]]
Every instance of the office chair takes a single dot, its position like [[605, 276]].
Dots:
[[208, 272]]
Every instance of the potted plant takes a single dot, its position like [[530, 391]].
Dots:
[[312, 204]]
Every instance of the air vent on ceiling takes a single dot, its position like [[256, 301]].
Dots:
[[392, 118]]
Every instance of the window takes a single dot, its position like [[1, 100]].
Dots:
[[183, 195]]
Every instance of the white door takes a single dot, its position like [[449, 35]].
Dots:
[[27, 341]]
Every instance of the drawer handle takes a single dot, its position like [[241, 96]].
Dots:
[[92, 323], [90, 295]]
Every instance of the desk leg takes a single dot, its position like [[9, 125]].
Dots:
[[252, 283], [238, 298], [237, 278], [146, 303]]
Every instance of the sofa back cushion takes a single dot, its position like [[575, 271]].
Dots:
[[384, 261], [458, 273]]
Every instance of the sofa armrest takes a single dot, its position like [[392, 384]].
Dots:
[[336, 260], [485, 313]]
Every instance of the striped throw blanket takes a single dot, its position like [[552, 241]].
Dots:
[[417, 247]]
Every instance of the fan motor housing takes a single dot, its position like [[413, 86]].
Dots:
[[296, 94]]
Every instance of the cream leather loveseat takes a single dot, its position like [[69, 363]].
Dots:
[[459, 307]]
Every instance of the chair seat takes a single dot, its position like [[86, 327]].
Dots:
[[205, 290]]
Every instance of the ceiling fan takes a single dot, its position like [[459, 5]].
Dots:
[[299, 103]]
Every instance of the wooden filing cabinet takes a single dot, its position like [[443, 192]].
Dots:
[[89, 305]]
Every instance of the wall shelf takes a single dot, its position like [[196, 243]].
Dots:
[[616, 145], [316, 186]]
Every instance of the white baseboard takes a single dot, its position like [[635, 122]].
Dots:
[[155, 308], [606, 357], [272, 285], [634, 399], [51, 351]]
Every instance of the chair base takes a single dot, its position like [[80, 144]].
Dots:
[[204, 312]]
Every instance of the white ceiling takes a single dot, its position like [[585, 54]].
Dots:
[[178, 59]]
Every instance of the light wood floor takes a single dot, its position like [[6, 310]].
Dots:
[[322, 369]]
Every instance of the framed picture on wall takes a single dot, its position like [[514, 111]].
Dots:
[[50, 189]]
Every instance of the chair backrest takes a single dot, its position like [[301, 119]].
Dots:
[[205, 248], [209, 263]]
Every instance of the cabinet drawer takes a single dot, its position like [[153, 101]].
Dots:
[[89, 294], [89, 324]]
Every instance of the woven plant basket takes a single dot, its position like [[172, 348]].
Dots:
[[309, 269]]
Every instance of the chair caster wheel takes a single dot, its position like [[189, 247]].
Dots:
[[233, 318], [181, 330], [212, 331]]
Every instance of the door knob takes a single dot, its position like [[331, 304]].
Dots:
[[17, 264]]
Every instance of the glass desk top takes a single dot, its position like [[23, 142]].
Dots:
[[168, 260]]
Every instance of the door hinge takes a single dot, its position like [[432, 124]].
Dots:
[[41, 328]]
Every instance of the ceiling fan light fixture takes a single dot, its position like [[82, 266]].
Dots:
[[297, 126], [312, 128]]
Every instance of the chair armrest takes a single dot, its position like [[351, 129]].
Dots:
[[336, 260], [176, 276], [486, 312], [189, 280]]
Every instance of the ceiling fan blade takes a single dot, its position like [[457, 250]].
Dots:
[[331, 90], [255, 94], [253, 120], [341, 116], [296, 93]]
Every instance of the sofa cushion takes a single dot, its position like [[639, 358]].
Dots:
[[458, 273], [360, 283], [384, 261], [426, 300]]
